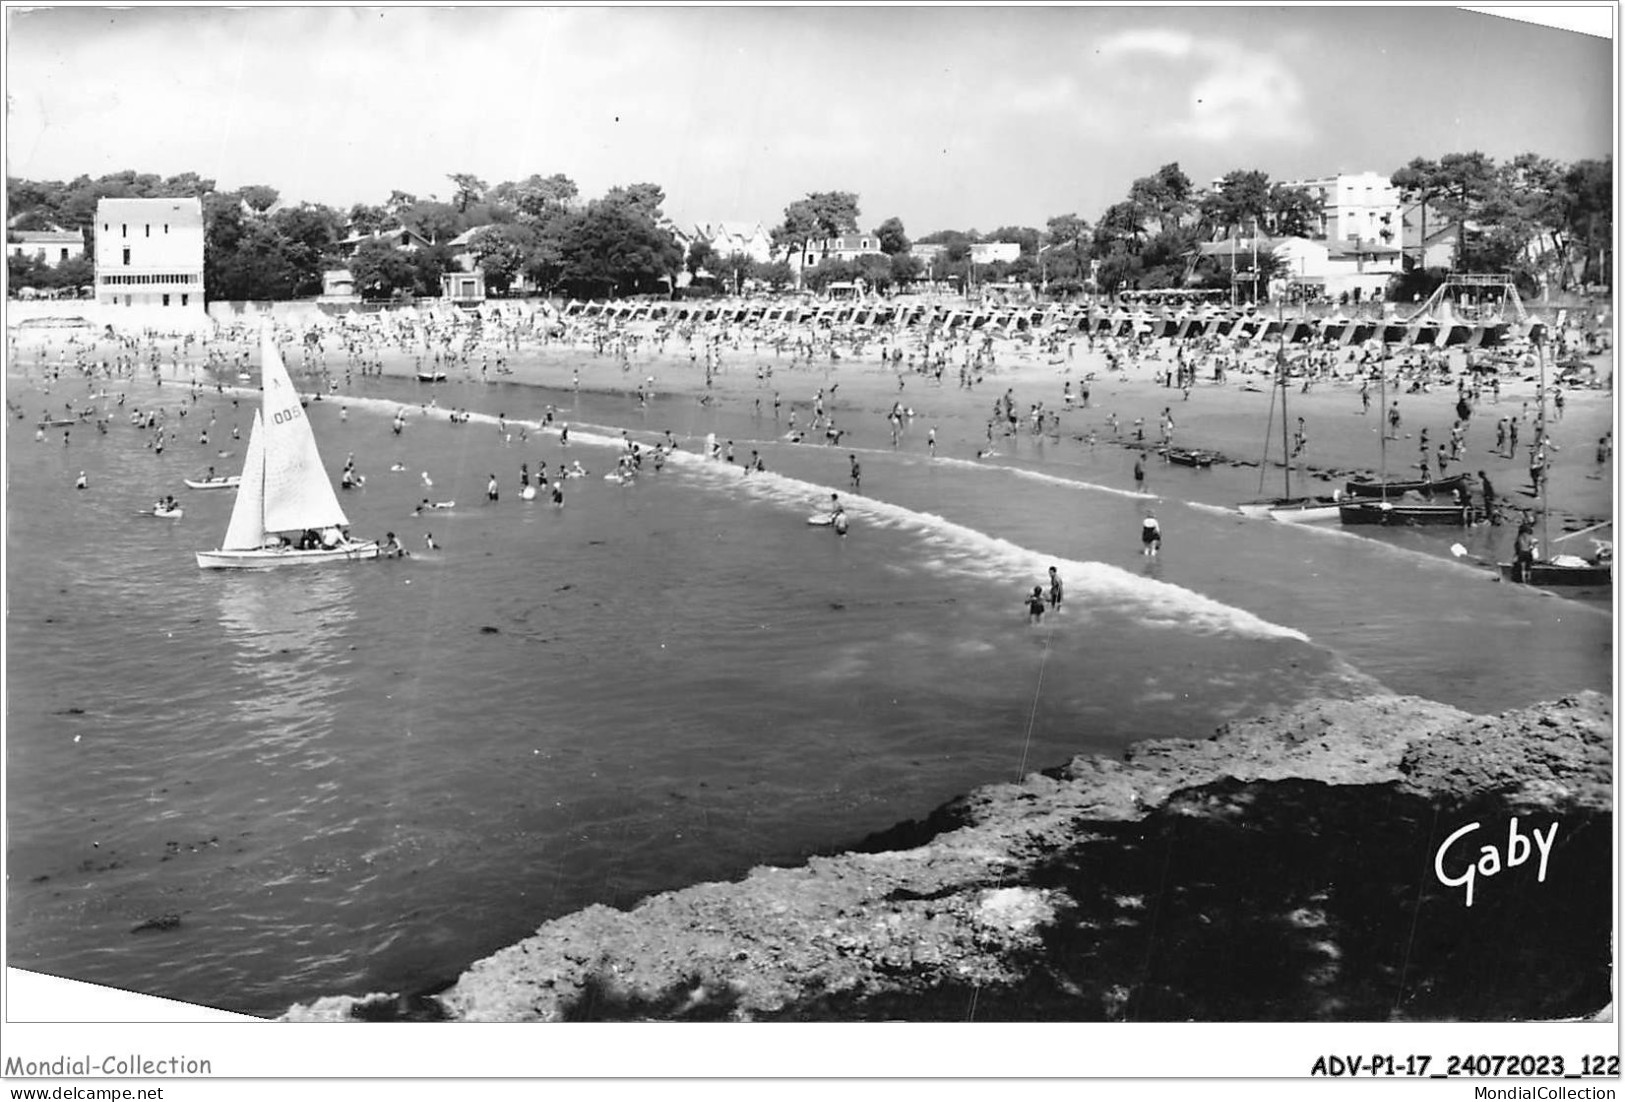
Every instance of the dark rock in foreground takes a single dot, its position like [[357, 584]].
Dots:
[[1286, 869]]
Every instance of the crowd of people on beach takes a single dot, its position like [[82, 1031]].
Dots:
[[334, 353]]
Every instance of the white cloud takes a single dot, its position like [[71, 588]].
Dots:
[[1230, 90], [1244, 94], [1147, 40]]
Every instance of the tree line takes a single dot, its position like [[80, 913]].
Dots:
[[256, 249], [1547, 223]]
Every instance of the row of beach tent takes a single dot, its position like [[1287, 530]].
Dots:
[[1441, 330]]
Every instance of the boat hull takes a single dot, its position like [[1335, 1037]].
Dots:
[[230, 483], [1307, 514], [436, 377], [1356, 488], [266, 558], [1301, 510], [1554, 575], [1401, 516], [1187, 457]]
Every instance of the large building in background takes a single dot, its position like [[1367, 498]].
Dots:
[[1356, 207], [149, 254]]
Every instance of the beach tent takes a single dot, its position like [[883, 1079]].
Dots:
[[1358, 332], [1394, 332], [1454, 333]]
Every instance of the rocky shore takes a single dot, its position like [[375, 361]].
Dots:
[[1311, 865]]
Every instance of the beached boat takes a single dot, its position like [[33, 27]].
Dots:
[[1190, 457], [1438, 487], [1412, 510], [1289, 509], [1561, 570], [223, 482], [286, 513], [1307, 510], [1403, 504]]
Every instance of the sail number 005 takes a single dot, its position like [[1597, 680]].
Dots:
[[284, 416]]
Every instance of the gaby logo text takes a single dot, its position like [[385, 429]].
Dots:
[[1489, 864]]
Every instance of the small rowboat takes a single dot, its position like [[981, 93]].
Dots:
[[1443, 486], [226, 482], [1190, 457], [1403, 514], [1565, 570], [431, 376], [167, 514]]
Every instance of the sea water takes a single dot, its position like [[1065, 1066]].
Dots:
[[365, 777]]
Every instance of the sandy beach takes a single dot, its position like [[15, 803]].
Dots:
[[859, 390]]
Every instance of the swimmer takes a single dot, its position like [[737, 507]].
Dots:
[[1035, 605], [1054, 588], [429, 543], [82, 482], [1150, 536]]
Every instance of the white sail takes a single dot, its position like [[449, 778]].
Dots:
[[247, 527], [297, 494]]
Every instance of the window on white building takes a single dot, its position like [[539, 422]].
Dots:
[[124, 229], [126, 256]]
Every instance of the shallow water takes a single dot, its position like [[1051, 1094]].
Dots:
[[365, 778]]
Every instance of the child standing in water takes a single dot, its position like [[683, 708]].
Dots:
[[1035, 605]]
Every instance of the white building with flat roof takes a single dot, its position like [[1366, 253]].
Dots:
[[149, 255], [1358, 206]]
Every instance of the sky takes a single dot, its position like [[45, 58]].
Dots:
[[946, 117]]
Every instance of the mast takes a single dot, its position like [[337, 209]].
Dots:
[[1269, 426], [1540, 445], [1382, 423], [1286, 455]]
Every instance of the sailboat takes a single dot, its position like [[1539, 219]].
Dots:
[[286, 512], [1410, 506], [1289, 509], [1560, 570]]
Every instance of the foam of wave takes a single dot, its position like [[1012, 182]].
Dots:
[[956, 548], [961, 550]]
